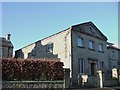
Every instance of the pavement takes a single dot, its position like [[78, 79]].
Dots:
[[105, 88]]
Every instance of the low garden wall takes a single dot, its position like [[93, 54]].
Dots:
[[111, 82], [33, 84]]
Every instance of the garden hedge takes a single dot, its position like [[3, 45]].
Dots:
[[32, 69]]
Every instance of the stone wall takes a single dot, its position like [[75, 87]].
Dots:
[[111, 82], [33, 84]]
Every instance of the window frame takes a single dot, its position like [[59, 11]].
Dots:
[[81, 66], [80, 42], [91, 45], [113, 56], [100, 47], [102, 65]]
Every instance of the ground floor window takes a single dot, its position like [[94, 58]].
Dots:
[[81, 65], [102, 66]]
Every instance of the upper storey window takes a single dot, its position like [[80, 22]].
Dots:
[[91, 44], [100, 47], [113, 55], [80, 42]]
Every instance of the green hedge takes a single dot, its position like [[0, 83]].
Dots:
[[32, 69]]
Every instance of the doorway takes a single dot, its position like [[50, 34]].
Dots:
[[93, 68]]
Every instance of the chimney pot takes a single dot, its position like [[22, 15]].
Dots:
[[8, 36]]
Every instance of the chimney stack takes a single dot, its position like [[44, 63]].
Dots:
[[8, 36]]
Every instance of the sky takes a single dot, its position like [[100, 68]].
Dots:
[[31, 21]]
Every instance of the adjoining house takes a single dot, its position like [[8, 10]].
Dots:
[[82, 48], [114, 63], [113, 56], [6, 47]]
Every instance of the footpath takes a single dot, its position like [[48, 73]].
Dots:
[[105, 88]]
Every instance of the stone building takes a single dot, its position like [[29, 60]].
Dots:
[[113, 61], [6, 47], [113, 57], [82, 48]]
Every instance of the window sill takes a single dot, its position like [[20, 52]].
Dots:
[[81, 46], [101, 51], [81, 73], [91, 49], [113, 59]]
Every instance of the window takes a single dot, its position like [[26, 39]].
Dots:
[[102, 65], [100, 47], [113, 54], [81, 66], [50, 47], [80, 42], [91, 44]]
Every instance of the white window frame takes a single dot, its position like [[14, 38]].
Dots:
[[80, 42]]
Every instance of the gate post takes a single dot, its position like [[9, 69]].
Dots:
[[66, 78], [100, 79], [84, 79]]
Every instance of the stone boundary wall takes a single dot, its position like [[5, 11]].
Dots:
[[111, 82], [32, 84]]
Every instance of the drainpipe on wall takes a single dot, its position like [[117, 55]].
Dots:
[[8, 52], [71, 58]]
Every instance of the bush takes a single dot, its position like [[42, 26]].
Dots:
[[32, 69]]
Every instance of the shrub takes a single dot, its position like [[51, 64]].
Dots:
[[32, 69]]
